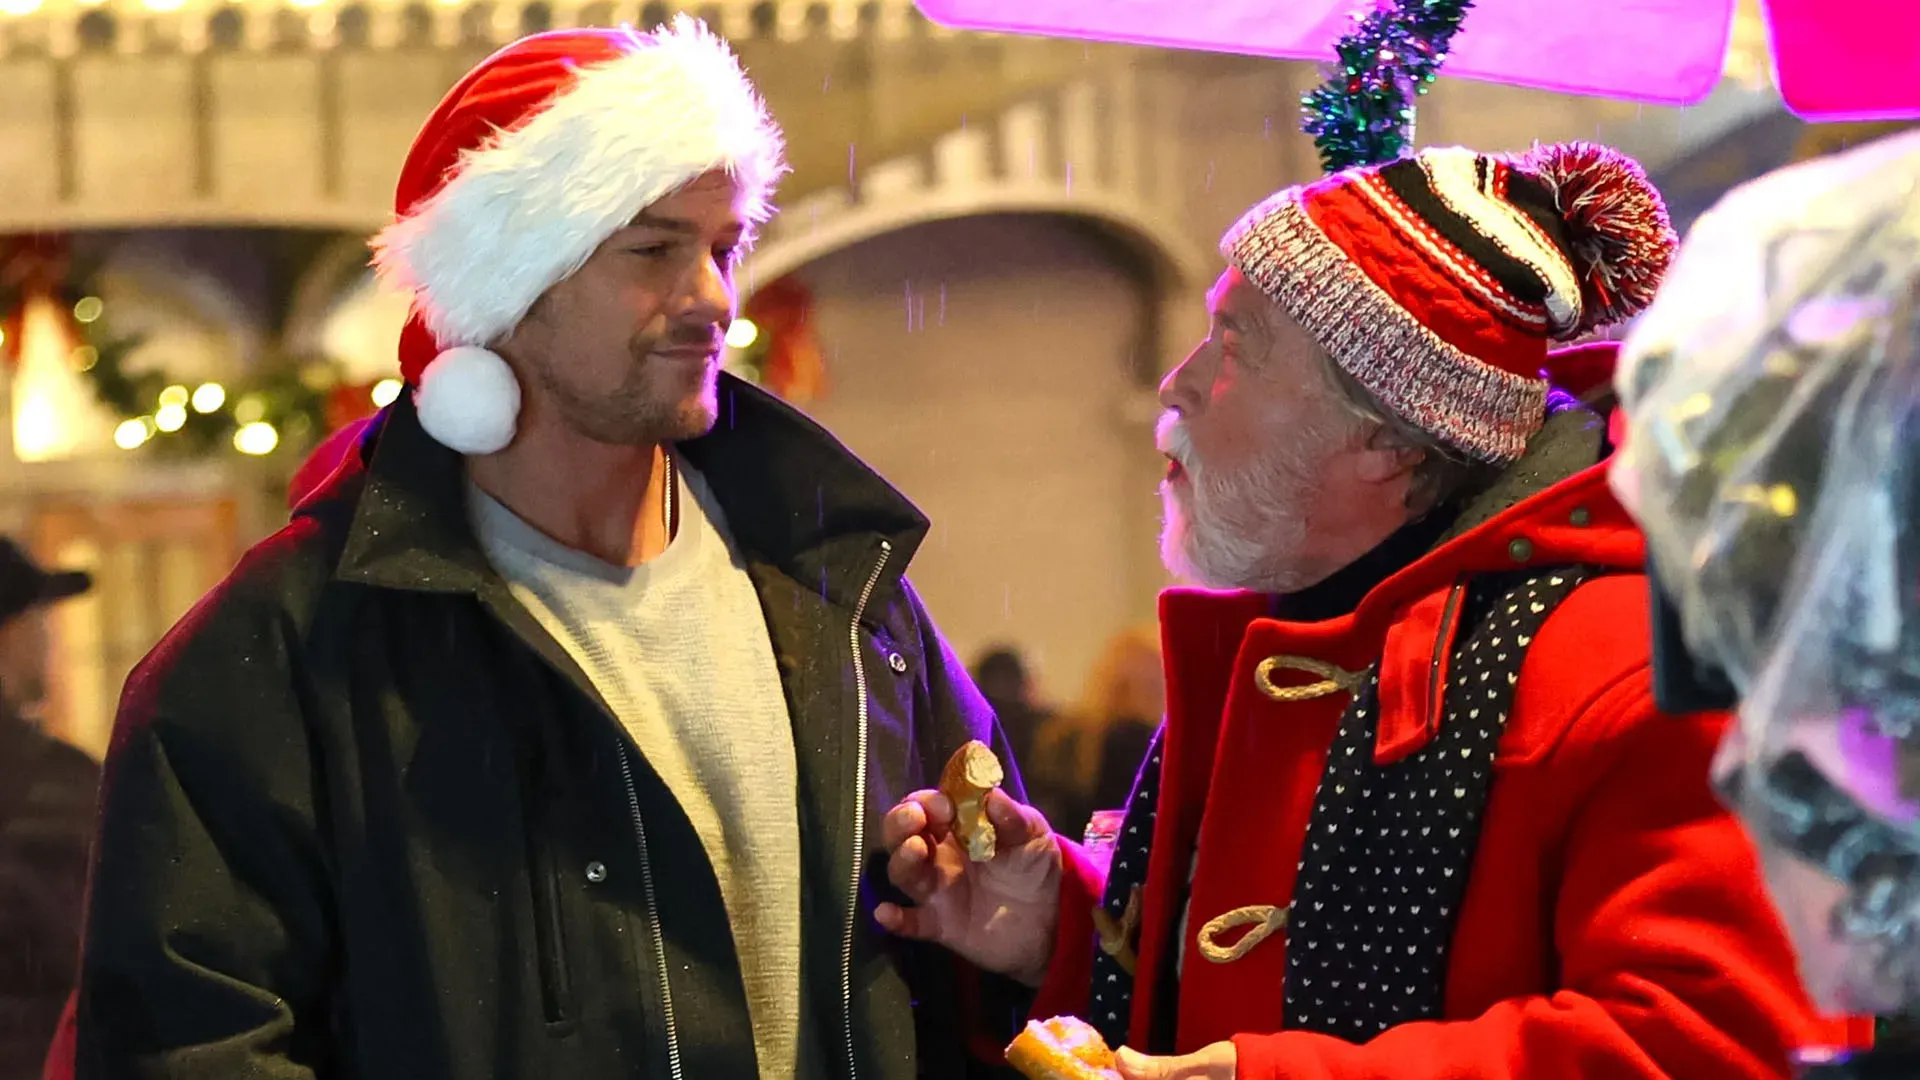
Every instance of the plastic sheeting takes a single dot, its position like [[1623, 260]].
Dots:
[[1773, 458]]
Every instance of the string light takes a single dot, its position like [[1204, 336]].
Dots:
[[132, 434], [88, 308], [258, 438], [174, 396], [249, 409], [385, 393], [170, 418], [208, 397], [742, 334], [19, 7]]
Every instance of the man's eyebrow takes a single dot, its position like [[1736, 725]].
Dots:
[[666, 224], [674, 225]]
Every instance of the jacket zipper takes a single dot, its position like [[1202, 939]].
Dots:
[[859, 803], [653, 918]]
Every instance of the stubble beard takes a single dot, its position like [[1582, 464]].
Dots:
[[652, 407]]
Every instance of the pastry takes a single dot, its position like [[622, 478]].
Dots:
[[970, 774], [1063, 1048]]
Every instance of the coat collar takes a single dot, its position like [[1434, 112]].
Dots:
[[794, 498]]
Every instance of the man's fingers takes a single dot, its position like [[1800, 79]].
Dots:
[[1135, 1066], [917, 923], [908, 818], [1013, 823], [912, 870], [1215, 1062], [939, 811]]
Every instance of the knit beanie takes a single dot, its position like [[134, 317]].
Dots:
[[529, 163], [1438, 280]]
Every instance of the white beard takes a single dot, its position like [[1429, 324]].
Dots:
[[1239, 529]]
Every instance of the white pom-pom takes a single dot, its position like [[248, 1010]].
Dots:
[[468, 400]]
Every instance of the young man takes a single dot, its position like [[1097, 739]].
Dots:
[[551, 738], [1413, 812]]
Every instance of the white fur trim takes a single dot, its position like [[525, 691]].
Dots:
[[523, 212], [1453, 173], [468, 400]]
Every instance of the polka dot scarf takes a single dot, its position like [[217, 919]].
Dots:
[[1389, 847], [1112, 980]]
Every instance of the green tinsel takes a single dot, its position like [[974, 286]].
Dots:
[[1363, 113]]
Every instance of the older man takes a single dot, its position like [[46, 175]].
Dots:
[[1413, 812], [552, 738]]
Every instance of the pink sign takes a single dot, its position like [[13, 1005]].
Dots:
[[1853, 60], [1837, 59]]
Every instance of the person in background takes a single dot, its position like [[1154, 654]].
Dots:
[[1002, 676], [47, 794], [1085, 757]]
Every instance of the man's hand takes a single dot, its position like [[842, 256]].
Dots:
[[1216, 1062], [999, 915]]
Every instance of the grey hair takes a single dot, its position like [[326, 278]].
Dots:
[[1444, 473]]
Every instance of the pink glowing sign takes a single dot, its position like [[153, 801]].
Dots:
[[1836, 59]]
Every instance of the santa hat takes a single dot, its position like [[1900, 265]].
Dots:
[[1437, 281], [539, 154]]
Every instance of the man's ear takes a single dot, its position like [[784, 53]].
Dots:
[[1386, 456]]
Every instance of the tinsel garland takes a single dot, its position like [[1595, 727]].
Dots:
[[1363, 113]]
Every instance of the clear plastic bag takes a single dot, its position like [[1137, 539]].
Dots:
[[1773, 459]]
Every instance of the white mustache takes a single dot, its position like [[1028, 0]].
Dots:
[[1170, 438]]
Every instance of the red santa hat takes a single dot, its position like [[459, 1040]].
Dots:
[[1438, 281], [538, 155]]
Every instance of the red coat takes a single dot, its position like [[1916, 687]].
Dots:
[[1614, 925]]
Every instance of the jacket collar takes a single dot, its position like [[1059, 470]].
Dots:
[[794, 498]]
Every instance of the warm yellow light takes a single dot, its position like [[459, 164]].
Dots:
[[164, 5], [51, 405], [84, 357], [174, 395], [19, 7], [170, 417], [208, 397], [386, 392], [131, 434], [37, 433], [249, 409], [742, 334], [256, 438], [88, 309], [3, 333]]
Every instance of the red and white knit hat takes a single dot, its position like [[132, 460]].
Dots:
[[539, 154], [1437, 281]]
